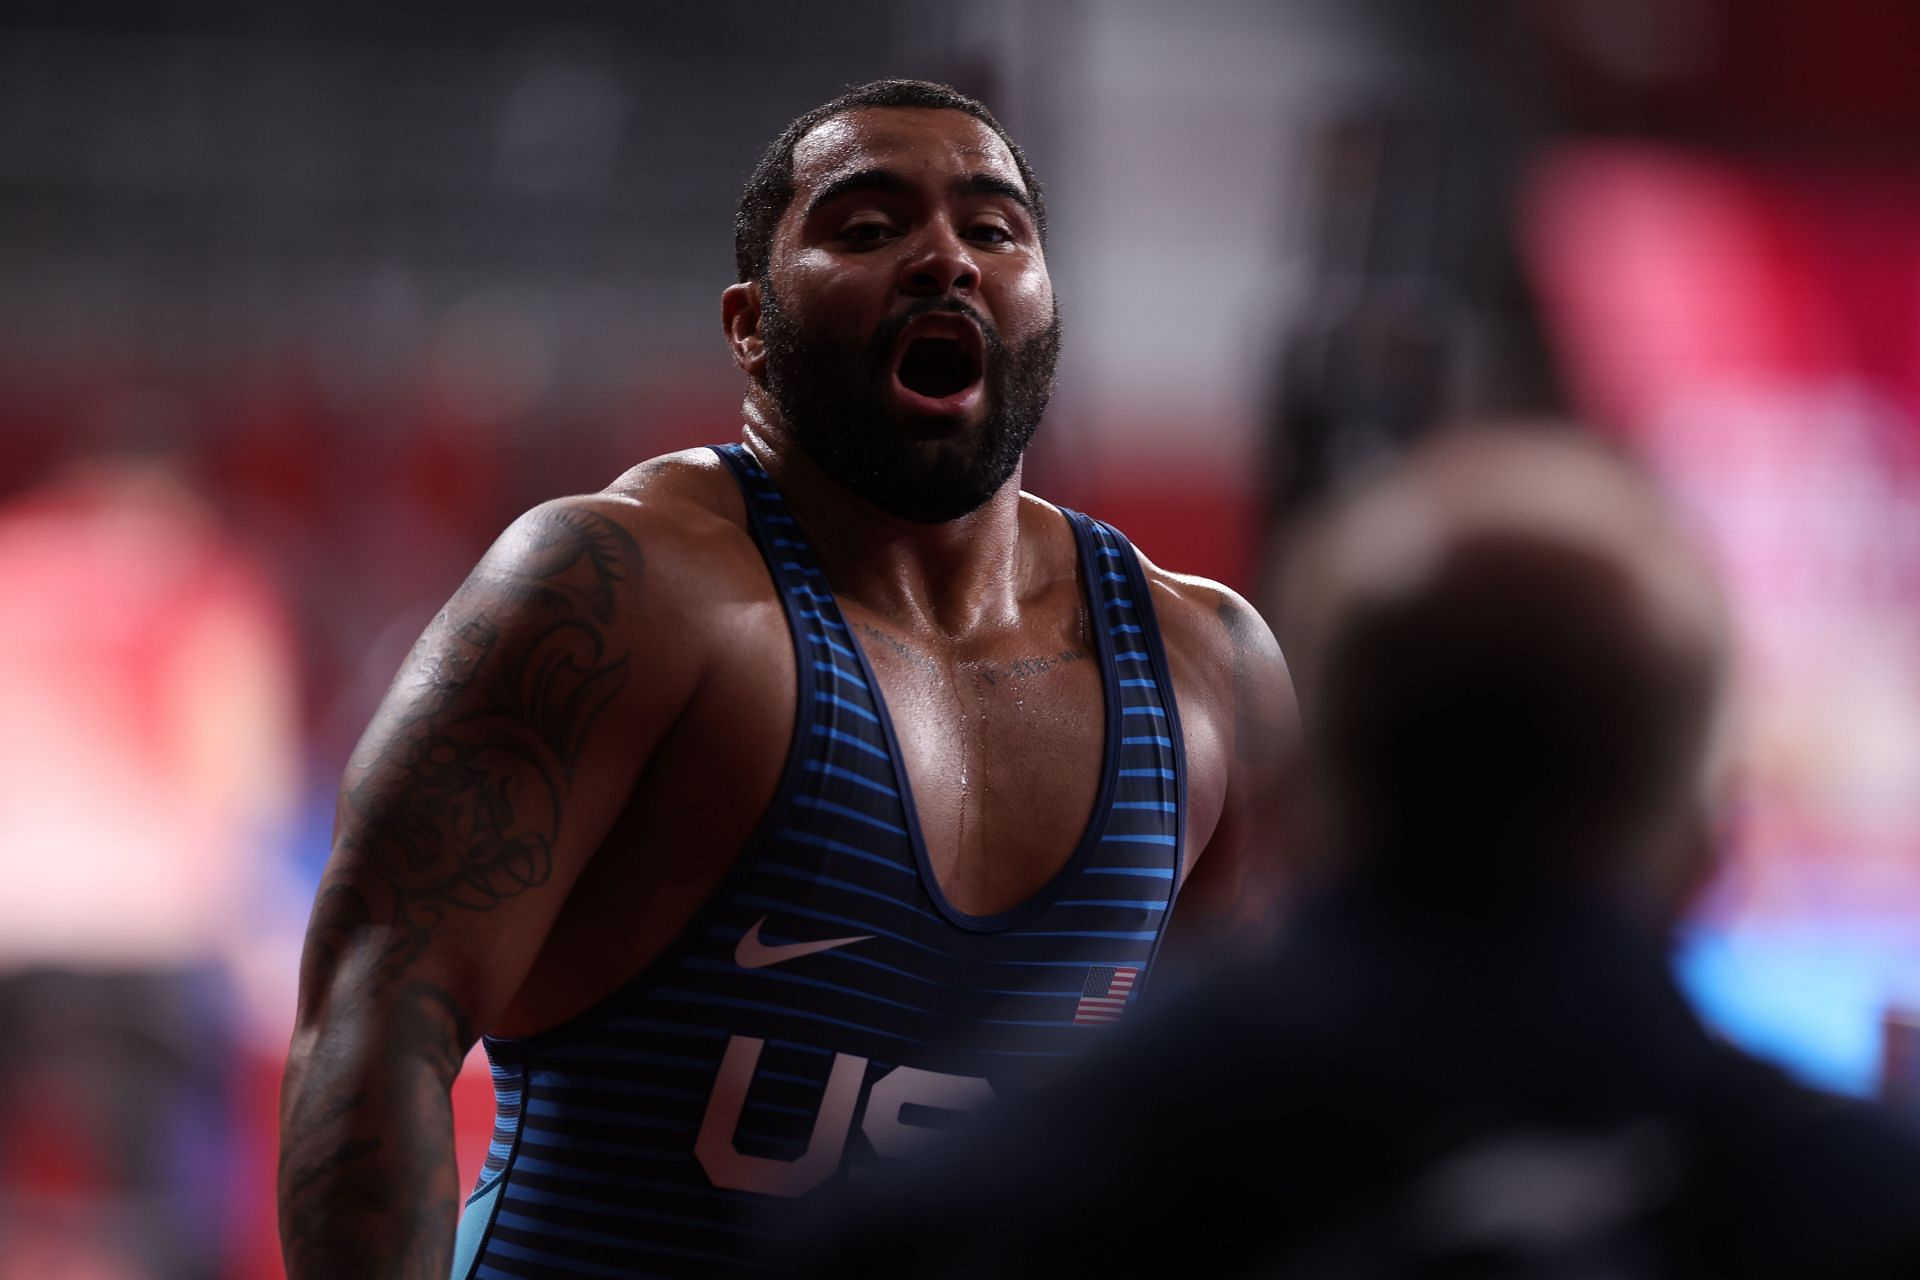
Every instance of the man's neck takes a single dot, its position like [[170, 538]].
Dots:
[[956, 579]]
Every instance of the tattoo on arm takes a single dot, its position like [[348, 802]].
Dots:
[[460, 808], [456, 809]]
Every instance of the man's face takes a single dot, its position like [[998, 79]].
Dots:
[[909, 321]]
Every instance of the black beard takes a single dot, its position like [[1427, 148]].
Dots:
[[833, 398]]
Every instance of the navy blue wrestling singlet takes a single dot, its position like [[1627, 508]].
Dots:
[[828, 1007]]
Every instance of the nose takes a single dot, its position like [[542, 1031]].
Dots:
[[940, 264]]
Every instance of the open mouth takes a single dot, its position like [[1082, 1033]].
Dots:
[[940, 358], [937, 367]]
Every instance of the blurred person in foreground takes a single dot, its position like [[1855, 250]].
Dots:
[[1466, 1055], [783, 798]]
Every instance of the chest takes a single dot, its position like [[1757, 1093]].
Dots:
[[1001, 761], [1004, 747]]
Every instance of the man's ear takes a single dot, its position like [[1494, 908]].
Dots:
[[740, 315]]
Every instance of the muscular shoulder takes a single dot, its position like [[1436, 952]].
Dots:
[[688, 481], [645, 566], [1242, 729], [1218, 641], [669, 528], [684, 505]]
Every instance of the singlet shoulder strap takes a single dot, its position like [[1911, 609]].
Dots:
[[1127, 631], [811, 609]]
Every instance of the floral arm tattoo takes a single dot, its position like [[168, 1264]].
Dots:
[[451, 808]]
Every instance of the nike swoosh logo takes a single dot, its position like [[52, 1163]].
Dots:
[[752, 953]]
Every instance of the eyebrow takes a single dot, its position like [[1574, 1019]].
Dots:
[[888, 182], [987, 184]]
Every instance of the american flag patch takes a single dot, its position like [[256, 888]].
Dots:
[[1104, 996]]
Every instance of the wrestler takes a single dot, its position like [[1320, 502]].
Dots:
[[783, 798]]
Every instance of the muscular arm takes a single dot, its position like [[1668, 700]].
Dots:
[[1229, 903], [488, 777]]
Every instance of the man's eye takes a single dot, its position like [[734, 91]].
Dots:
[[991, 233], [866, 233]]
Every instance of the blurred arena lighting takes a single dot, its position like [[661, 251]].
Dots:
[[1747, 326]]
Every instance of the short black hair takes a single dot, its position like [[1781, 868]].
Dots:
[[770, 189]]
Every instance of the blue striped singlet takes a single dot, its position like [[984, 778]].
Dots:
[[828, 1009]]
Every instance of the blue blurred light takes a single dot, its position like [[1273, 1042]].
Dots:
[[1809, 1000]]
